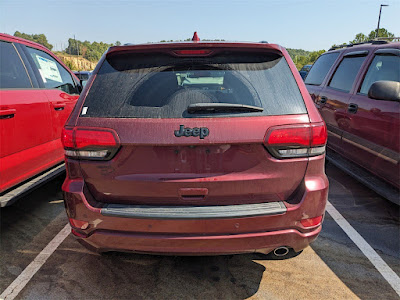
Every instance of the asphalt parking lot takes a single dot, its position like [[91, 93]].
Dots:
[[334, 267]]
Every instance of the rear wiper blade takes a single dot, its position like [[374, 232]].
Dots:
[[221, 107]]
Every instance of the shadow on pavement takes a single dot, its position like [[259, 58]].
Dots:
[[134, 276]]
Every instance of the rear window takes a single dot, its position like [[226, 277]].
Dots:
[[163, 86], [320, 68]]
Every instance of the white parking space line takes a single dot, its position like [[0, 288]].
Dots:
[[391, 277], [22, 280]]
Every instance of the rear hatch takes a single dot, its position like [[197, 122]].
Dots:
[[191, 127]]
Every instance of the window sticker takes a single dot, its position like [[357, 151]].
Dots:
[[48, 69]]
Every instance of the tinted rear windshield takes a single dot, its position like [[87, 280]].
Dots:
[[163, 86]]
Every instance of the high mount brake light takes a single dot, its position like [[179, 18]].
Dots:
[[87, 143], [302, 140], [193, 52]]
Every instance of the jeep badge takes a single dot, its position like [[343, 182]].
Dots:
[[202, 132]]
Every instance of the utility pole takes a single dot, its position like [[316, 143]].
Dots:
[[379, 20]]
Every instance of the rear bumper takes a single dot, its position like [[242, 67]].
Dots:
[[263, 242], [102, 231]]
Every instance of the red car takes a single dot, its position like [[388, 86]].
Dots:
[[37, 94], [195, 148], [357, 91]]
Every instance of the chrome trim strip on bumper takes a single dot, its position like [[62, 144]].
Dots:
[[194, 212]]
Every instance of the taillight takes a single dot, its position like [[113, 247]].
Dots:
[[66, 138], [88, 143], [94, 138], [302, 140]]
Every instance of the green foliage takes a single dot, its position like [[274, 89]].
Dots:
[[361, 37], [302, 57], [381, 33], [90, 51], [297, 52], [37, 38], [70, 65]]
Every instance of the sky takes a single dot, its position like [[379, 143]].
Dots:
[[304, 24]]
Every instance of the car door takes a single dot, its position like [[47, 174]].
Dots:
[[25, 121], [334, 98], [372, 138], [60, 89]]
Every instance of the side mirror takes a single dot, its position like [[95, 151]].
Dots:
[[385, 90]]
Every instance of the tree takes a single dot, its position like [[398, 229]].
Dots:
[[314, 55], [90, 51], [302, 57], [359, 38], [117, 43], [381, 33], [73, 46], [37, 38], [294, 52]]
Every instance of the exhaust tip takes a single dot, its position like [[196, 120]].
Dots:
[[281, 251]]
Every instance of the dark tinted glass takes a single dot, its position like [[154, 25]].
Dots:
[[346, 73], [162, 86], [383, 67], [82, 76], [320, 68], [53, 74], [306, 68], [12, 71]]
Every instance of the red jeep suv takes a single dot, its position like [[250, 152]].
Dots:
[[195, 148]]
